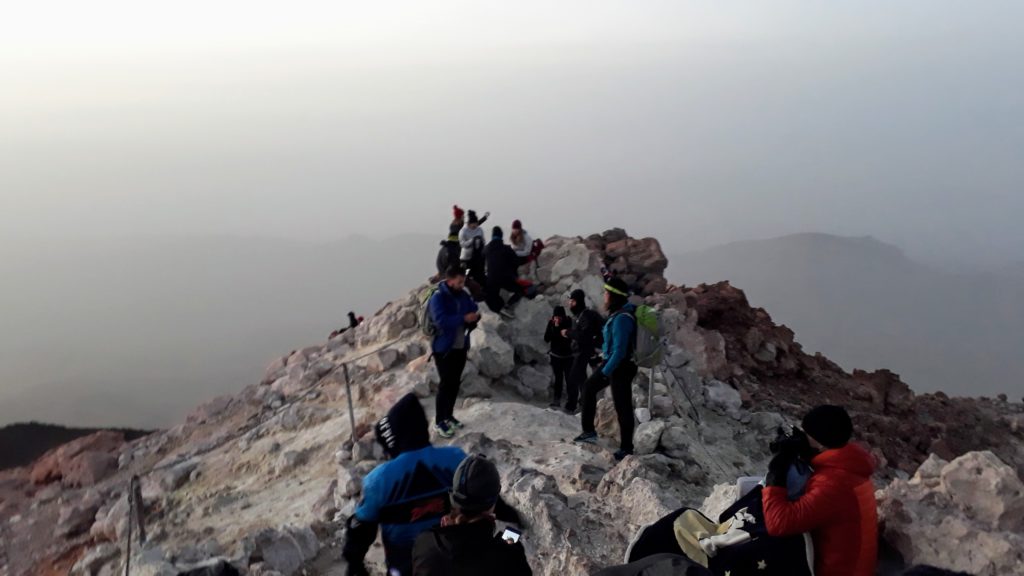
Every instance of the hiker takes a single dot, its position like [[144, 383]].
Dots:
[[454, 315], [353, 321], [585, 334], [837, 506], [405, 495], [617, 368], [471, 240], [560, 351], [502, 274], [521, 242], [451, 251], [465, 544]]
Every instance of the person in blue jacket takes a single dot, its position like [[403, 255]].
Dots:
[[455, 315], [617, 368], [404, 496]]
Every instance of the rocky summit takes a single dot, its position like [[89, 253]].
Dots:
[[264, 479]]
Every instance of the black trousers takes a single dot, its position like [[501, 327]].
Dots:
[[560, 367], [493, 290], [621, 382], [449, 368], [577, 376]]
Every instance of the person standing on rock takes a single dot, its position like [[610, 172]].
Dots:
[[838, 505], [471, 240], [560, 352], [502, 274], [451, 251], [404, 496], [466, 544], [455, 315], [584, 332], [617, 368]]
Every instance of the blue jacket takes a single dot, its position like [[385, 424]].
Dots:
[[408, 496], [448, 310], [619, 338]]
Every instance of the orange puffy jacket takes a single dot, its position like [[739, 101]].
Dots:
[[838, 509]]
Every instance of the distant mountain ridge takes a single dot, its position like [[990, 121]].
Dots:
[[23, 443], [864, 303]]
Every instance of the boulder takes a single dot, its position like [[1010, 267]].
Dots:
[[89, 468], [535, 382], [382, 360], [286, 549], [986, 490], [648, 436], [723, 399], [721, 498], [95, 559], [606, 421], [675, 443], [491, 353], [77, 517], [53, 465]]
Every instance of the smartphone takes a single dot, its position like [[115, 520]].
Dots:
[[511, 535]]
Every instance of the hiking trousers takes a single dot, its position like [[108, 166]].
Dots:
[[493, 290], [449, 367], [560, 366], [577, 376], [621, 382]]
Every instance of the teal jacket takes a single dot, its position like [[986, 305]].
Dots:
[[619, 338]]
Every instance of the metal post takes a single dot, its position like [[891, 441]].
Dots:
[[140, 518], [351, 410], [128, 545], [650, 395]]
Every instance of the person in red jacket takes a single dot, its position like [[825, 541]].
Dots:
[[838, 505]]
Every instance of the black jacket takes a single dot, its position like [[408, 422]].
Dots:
[[502, 262], [448, 255], [586, 333], [561, 347], [468, 550]]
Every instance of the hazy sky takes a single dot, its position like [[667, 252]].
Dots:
[[698, 122]]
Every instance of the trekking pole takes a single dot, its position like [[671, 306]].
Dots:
[[351, 410]]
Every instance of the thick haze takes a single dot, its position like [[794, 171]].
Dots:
[[697, 122]]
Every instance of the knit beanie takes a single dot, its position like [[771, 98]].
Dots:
[[517, 225], [497, 233], [829, 425], [457, 212], [472, 219], [476, 485]]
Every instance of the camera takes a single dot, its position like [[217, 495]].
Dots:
[[791, 442]]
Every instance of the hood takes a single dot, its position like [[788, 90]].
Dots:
[[559, 311], [851, 458], [405, 428]]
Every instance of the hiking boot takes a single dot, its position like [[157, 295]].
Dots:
[[586, 438], [621, 454], [444, 430], [572, 411], [453, 423]]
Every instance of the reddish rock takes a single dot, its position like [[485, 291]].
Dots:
[[63, 461]]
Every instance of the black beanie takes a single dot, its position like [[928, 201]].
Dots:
[[472, 219], [497, 233], [829, 425], [405, 428], [578, 295], [476, 485], [559, 311]]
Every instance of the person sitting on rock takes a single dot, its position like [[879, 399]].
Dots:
[[837, 506], [557, 336], [404, 496], [471, 240], [353, 321], [585, 334], [502, 274], [454, 314], [465, 544], [617, 368], [522, 243], [451, 250]]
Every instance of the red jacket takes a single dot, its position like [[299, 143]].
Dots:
[[838, 508]]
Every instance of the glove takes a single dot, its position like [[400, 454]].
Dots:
[[778, 470]]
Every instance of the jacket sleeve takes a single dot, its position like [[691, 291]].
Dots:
[[549, 331], [813, 510], [621, 333], [445, 317]]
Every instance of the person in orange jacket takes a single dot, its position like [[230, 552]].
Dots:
[[838, 505]]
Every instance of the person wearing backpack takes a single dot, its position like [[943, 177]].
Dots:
[[560, 352], [465, 544], [584, 333], [452, 316], [617, 368]]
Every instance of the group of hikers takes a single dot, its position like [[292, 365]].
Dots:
[[438, 508]]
